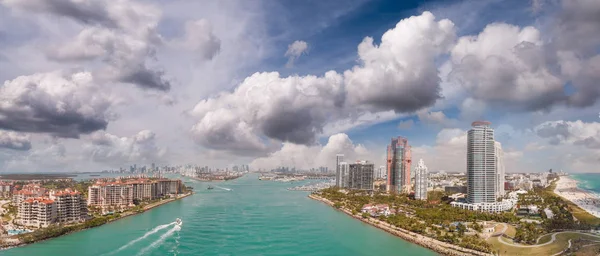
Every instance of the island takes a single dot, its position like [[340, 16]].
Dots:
[[35, 210]]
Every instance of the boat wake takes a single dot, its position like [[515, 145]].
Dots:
[[149, 233], [160, 240], [228, 189]]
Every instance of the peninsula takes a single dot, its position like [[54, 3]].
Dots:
[[435, 224]]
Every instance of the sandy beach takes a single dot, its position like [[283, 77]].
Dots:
[[567, 188]]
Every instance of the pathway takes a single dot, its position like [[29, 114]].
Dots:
[[544, 244]]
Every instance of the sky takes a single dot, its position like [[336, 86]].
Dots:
[[89, 85]]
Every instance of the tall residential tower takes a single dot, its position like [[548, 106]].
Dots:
[[398, 165], [421, 181], [499, 169], [338, 174], [481, 164]]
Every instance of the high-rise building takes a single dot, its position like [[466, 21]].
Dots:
[[499, 169], [110, 195], [70, 205], [360, 176], [381, 172], [481, 163], [344, 174], [398, 165], [338, 176], [421, 181], [38, 212]]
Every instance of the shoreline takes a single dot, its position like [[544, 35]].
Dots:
[[409, 236], [211, 180], [588, 201], [146, 208]]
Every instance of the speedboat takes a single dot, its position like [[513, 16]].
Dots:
[[178, 222], [210, 187]]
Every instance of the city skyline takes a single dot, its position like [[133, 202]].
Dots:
[[169, 82]]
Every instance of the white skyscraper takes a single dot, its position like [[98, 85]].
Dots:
[[381, 172], [344, 174], [499, 169], [338, 175], [481, 164], [421, 181]]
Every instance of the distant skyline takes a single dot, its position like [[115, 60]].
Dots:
[[98, 84]]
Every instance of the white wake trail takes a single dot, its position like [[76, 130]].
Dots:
[[160, 240], [149, 233], [228, 189]]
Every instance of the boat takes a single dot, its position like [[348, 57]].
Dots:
[[178, 222], [210, 187]]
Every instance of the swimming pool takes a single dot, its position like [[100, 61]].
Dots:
[[17, 231]]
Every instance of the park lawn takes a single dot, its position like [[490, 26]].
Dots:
[[511, 230], [582, 215], [591, 250], [558, 245]]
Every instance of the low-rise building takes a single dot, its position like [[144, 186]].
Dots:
[[377, 210], [495, 207]]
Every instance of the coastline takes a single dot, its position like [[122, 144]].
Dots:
[[567, 188], [421, 240], [125, 215]]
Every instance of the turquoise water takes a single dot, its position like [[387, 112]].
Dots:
[[254, 218], [588, 181]]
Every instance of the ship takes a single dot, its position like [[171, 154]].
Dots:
[[178, 222], [210, 187]]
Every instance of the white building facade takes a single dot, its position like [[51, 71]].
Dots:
[[421, 181], [339, 158], [481, 164], [499, 170]]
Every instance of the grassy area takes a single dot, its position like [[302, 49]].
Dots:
[[511, 231], [592, 250], [558, 245]]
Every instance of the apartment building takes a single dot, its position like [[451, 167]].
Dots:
[[70, 206], [114, 194], [28, 191], [37, 212], [6, 189]]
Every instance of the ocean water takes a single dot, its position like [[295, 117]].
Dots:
[[252, 218], [588, 181]]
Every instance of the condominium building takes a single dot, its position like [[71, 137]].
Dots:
[[344, 174], [6, 189], [168, 187], [37, 212], [398, 165], [110, 195], [28, 191], [421, 181], [70, 206], [360, 176], [144, 190], [339, 158], [481, 164], [500, 170]]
